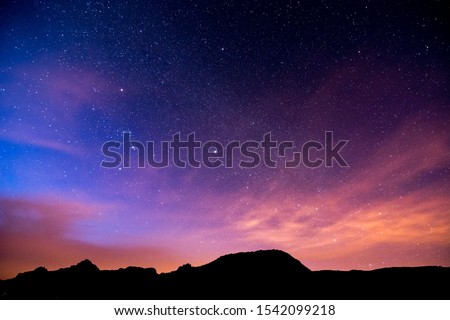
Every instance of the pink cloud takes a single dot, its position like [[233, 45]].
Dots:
[[350, 224], [35, 233]]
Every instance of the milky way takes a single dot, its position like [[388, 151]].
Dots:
[[74, 76]]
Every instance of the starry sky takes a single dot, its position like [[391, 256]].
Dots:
[[75, 74]]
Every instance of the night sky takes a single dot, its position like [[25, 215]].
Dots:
[[75, 74]]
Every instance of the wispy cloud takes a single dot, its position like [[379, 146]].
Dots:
[[375, 207], [40, 232]]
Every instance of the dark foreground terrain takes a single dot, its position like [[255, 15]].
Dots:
[[268, 274]]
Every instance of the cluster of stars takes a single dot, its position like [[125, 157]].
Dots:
[[74, 75]]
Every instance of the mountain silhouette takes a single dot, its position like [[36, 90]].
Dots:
[[265, 274]]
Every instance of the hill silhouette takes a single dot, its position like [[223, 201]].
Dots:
[[268, 274]]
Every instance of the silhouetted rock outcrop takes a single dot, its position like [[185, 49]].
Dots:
[[261, 262], [270, 274], [84, 266]]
